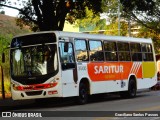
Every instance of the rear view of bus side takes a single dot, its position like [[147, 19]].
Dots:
[[81, 65]]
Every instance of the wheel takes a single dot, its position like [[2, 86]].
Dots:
[[132, 90], [83, 94]]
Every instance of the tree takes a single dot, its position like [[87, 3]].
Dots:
[[112, 29], [1, 10], [91, 21], [4, 42], [96, 24], [155, 36], [51, 14], [146, 12], [110, 7]]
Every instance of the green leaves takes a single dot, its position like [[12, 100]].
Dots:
[[145, 12], [138, 5], [43, 15], [4, 42]]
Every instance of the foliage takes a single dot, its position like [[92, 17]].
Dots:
[[51, 14], [6, 86], [143, 5], [145, 12], [112, 29], [7, 31], [94, 23], [110, 7], [90, 22], [155, 36], [4, 42]]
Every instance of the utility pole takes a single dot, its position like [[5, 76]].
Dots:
[[129, 27], [119, 24]]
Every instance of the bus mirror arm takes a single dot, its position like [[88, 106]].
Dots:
[[3, 57], [66, 47]]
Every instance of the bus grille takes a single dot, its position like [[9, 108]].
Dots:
[[33, 93]]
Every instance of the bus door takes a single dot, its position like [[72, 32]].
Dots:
[[69, 69]]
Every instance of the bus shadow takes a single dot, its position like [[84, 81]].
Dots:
[[10, 105]]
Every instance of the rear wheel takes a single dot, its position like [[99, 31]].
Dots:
[[132, 90], [83, 94]]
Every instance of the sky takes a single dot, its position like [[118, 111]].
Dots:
[[11, 12]]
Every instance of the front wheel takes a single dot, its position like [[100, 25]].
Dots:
[[83, 94]]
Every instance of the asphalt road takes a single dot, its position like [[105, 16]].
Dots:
[[108, 107]]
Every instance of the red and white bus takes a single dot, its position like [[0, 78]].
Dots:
[[65, 64]]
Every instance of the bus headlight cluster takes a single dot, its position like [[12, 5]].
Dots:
[[15, 85], [53, 83]]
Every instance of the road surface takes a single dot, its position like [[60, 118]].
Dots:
[[147, 102]]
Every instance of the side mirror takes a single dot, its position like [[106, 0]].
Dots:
[[66, 47], [3, 57]]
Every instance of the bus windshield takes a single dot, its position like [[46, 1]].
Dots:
[[34, 58], [32, 61]]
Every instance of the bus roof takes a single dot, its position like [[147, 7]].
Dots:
[[94, 36]]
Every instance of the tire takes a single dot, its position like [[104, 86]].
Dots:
[[132, 90], [83, 94]]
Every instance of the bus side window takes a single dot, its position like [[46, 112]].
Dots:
[[123, 51], [96, 50], [81, 50], [67, 57], [147, 52], [110, 49], [135, 49]]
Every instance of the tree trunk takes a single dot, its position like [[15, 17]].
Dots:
[[2, 82]]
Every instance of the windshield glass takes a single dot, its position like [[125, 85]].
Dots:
[[35, 60]]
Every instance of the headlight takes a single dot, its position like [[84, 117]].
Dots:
[[15, 85]]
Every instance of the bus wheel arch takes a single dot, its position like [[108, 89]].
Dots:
[[84, 91]]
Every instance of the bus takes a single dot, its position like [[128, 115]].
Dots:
[[66, 64]]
